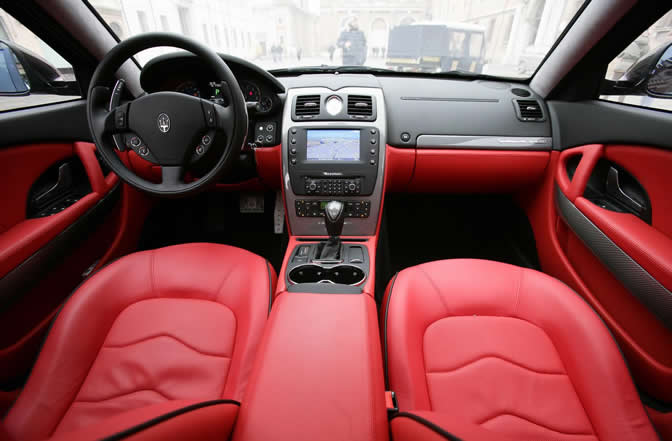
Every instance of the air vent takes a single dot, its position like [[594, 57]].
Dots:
[[307, 106], [360, 106], [529, 110]]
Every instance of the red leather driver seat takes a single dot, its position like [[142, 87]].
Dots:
[[177, 323], [510, 350]]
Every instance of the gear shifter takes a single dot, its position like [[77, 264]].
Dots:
[[334, 217]]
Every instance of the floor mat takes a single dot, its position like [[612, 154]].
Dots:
[[215, 217], [424, 228]]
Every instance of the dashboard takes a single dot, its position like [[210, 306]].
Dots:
[[185, 73], [346, 135]]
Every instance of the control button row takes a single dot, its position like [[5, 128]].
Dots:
[[264, 133], [304, 208], [332, 186]]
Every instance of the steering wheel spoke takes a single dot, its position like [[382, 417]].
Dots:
[[172, 175]]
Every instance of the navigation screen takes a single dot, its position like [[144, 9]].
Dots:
[[332, 145]]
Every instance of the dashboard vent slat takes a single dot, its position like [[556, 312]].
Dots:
[[529, 110], [307, 106], [360, 105]]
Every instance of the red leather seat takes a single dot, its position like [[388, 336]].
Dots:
[[177, 323], [508, 349]]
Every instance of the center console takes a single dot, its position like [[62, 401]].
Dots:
[[333, 150]]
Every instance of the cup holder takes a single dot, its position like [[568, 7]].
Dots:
[[341, 274]]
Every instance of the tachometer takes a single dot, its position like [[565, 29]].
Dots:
[[189, 88], [250, 91]]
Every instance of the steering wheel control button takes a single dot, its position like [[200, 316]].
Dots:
[[121, 117], [135, 141], [269, 138], [405, 136], [209, 111], [206, 140], [143, 151], [260, 138], [200, 150], [270, 127]]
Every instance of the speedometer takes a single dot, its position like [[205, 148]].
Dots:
[[250, 91], [189, 88]]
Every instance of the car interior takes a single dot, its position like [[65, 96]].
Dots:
[[353, 238]]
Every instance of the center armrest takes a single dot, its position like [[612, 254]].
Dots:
[[318, 373]]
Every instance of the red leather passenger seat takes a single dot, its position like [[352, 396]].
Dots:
[[177, 323], [508, 349]]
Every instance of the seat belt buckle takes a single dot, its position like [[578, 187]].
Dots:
[[391, 402]]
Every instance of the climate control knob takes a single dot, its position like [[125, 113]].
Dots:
[[312, 186], [352, 186]]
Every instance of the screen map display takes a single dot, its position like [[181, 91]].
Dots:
[[332, 145]]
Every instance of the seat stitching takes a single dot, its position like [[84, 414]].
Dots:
[[112, 397], [533, 422], [221, 285], [151, 273], [164, 335], [93, 361], [497, 357], [520, 282], [554, 347], [436, 290], [445, 307]]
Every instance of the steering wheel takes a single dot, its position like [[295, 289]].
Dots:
[[169, 129]]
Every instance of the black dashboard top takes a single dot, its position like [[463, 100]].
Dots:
[[415, 106]]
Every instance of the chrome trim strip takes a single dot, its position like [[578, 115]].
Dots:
[[477, 142], [636, 279], [306, 226]]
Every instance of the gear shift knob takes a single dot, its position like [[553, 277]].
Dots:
[[334, 217]]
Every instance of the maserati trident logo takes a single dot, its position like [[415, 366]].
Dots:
[[163, 121]]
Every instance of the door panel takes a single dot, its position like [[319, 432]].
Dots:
[[61, 218], [603, 224]]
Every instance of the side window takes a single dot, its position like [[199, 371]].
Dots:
[[31, 72], [641, 75]]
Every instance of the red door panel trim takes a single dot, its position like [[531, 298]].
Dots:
[[650, 248], [590, 155], [475, 171], [26, 236], [654, 376]]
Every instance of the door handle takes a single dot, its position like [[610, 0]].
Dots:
[[63, 182], [615, 190]]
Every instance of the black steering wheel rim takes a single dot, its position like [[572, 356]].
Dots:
[[229, 121]]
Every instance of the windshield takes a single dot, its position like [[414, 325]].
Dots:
[[507, 38]]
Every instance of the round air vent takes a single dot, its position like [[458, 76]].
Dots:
[[520, 92]]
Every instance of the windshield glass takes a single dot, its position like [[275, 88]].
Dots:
[[507, 38]]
